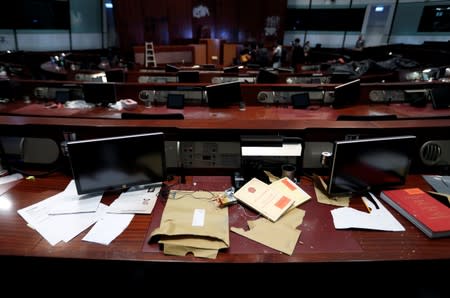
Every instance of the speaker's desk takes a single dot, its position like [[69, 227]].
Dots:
[[334, 257]]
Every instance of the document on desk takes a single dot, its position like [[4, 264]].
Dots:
[[62, 227], [10, 178], [379, 218], [266, 200], [108, 228], [439, 183], [290, 189], [137, 200], [72, 202]]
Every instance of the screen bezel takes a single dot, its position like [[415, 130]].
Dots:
[[407, 143], [99, 93], [346, 94], [83, 159], [223, 94]]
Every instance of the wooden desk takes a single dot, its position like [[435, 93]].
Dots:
[[340, 259]]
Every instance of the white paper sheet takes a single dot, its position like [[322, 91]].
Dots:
[[108, 228], [378, 218], [136, 200]]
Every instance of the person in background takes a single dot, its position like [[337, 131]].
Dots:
[[298, 55], [246, 54], [306, 51], [276, 54], [262, 57], [360, 42]]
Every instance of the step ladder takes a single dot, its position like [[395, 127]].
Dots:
[[150, 58]]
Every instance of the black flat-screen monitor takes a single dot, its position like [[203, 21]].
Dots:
[[373, 164], [223, 94], [300, 100], [6, 90], [171, 68], [99, 93], [266, 76], [187, 76], [175, 101], [231, 69], [440, 97], [346, 94], [114, 163]]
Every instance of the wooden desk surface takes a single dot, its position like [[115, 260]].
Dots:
[[326, 261], [319, 241], [259, 112]]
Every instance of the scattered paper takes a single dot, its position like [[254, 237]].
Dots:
[[108, 228], [137, 200], [377, 219]]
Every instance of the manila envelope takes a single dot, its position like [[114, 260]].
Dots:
[[281, 235], [190, 223]]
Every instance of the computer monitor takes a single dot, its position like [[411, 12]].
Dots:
[[231, 69], [171, 68], [187, 76], [440, 97], [300, 100], [6, 90], [346, 94], [373, 164], [223, 94], [266, 76], [175, 101], [99, 93], [115, 75], [114, 163]]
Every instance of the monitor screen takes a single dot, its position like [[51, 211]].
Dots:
[[266, 76], [440, 97], [231, 69], [6, 90], [175, 101], [115, 163], [188, 76], [362, 165], [223, 94], [99, 93], [171, 68], [346, 94]]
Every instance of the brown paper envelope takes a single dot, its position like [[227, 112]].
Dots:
[[281, 235], [323, 198], [193, 241], [181, 218], [182, 250]]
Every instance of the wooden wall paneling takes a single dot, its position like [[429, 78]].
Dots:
[[155, 16], [199, 53], [179, 15], [227, 20], [129, 25]]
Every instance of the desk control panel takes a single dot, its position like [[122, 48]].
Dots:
[[199, 154], [284, 97], [60, 94], [219, 80], [308, 80], [157, 79], [194, 97], [387, 96]]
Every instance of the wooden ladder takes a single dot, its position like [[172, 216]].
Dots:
[[150, 58]]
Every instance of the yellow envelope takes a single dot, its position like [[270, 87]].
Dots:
[[281, 235], [192, 222]]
